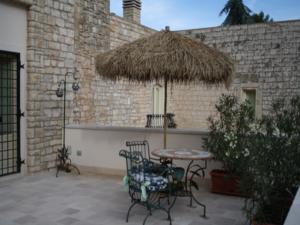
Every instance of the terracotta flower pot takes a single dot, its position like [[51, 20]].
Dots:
[[223, 183]]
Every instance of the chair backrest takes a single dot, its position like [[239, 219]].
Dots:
[[139, 146], [135, 172], [134, 160]]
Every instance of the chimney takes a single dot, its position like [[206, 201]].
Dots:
[[132, 10]]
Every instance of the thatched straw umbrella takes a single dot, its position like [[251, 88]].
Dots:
[[166, 56]]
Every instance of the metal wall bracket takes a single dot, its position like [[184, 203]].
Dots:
[[21, 114]]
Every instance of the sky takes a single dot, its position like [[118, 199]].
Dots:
[[188, 14]]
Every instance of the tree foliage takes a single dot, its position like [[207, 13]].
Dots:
[[261, 18], [238, 13]]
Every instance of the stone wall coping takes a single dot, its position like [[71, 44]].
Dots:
[[27, 3], [186, 131], [120, 18], [293, 217], [233, 27]]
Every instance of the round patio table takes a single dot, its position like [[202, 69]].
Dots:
[[194, 169]]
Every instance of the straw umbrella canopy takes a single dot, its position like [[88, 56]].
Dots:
[[166, 56]]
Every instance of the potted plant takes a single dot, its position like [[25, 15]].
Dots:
[[273, 172], [226, 140]]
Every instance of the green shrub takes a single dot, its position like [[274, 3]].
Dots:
[[227, 137], [264, 153], [273, 172]]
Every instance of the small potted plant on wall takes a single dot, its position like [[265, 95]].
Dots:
[[273, 172], [227, 141]]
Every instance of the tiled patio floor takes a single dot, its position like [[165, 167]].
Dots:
[[42, 199]]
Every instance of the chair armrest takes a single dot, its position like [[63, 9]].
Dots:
[[124, 153]]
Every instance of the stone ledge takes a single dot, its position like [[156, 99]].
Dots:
[[21, 2], [244, 26], [139, 129], [121, 19]]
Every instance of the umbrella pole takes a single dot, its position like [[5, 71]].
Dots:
[[165, 114]]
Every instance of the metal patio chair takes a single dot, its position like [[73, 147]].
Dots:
[[144, 149], [146, 188]]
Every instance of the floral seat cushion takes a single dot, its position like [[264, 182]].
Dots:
[[152, 181]]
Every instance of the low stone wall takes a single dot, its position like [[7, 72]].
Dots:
[[96, 148]]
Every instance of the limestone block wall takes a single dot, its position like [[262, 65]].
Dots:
[[193, 104], [123, 31], [62, 35], [267, 57], [122, 103], [50, 54], [92, 33]]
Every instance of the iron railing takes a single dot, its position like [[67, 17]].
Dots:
[[157, 120]]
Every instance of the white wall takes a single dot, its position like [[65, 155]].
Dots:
[[13, 37], [100, 147]]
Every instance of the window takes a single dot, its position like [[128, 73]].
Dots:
[[252, 92], [158, 99], [250, 95]]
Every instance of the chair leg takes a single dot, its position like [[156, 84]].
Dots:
[[171, 206], [169, 218], [132, 205], [144, 222]]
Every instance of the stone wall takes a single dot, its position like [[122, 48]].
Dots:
[[64, 36], [123, 31], [92, 31], [122, 103], [267, 58], [50, 54]]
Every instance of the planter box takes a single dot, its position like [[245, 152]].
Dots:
[[223, 183]]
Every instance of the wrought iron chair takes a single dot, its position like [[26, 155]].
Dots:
[[145, 187], [144, 149]]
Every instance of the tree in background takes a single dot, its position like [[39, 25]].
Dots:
[[261, 18], [237, 13]]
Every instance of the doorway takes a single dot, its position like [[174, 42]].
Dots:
[[10, 160]]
